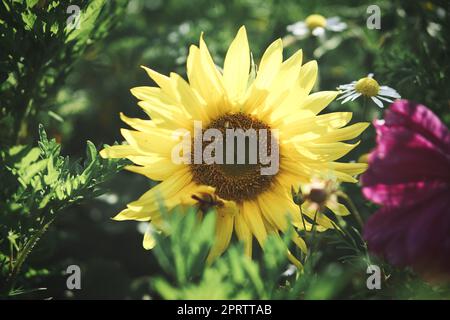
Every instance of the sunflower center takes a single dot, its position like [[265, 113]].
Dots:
[[238, 176], [315, 21], [368, 87]]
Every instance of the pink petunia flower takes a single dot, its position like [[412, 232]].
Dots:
[[409, 176]]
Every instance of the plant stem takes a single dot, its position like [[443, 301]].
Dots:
[[365, 109], [23, 254], [313, 236], [353, 208]]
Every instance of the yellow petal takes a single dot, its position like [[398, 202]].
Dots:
[[237, 66], [194, 71], [299, 242], [243, 233], [318, 101], [161, 107], [308, 76], [364, 158], [278, 208], [162, 81], [187, 198], [270, 64], [149, 241], [120, 151], [334, 120], [346, 133], [294, 260], [268, 69], [290, 106], [338, 208], [165, 193], [205, 79], [252, 216], [138, 124], [320, 218], [164, 117], [286, 77], [224, 231], [160, 169], [212, 75], [325, 151], [349, 168], [158, 141], [254, 100], [298, 123], [129, 214], [189, 98], [271, 213]]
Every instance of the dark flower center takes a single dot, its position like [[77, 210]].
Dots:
[[318, 196], [236, 181]]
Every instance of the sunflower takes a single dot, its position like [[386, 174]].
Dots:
[[277, 99]]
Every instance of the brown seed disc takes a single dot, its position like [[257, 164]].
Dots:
[[237, 182]]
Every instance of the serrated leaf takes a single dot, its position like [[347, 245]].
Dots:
[[52, 173], [86, 22], [34, 169], [42, 134]]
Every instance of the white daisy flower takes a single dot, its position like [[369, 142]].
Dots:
[[367, 87], [316, 24]]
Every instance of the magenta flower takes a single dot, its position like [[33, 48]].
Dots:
[[409, 176]]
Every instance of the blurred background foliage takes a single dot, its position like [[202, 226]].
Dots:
[[75, 82]]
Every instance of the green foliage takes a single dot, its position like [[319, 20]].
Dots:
[[182, 248], [416, 54], [40, 183], [182, 256], [39, 45], [38, 49]]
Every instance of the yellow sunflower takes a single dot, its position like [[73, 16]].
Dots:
[[277, 99]]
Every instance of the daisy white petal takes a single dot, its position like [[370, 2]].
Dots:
[[345, 90], [389, 92], [385, 99], [333, 20], [318, 32], [298, 29], [346, 86], [335, 24], [357, 95], [346, 95], [377, 101], [348, 98]]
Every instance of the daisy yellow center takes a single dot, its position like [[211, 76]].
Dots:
[[315, 21], [237, 182], [368, 87]]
